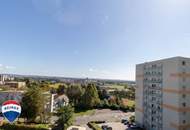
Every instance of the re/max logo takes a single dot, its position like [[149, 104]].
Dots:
[[11, 107]]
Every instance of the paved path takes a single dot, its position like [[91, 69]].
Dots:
[[104, 115]]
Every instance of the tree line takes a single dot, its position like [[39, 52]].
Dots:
[[81, 97]]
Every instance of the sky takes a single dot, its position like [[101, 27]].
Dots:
[[90, 38]]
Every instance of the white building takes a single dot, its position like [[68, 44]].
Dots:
[[15, 84], [58, 101], [163, 94], [4, 77]]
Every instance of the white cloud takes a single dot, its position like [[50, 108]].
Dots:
[[10, 67], [5, 67], [91, 70]]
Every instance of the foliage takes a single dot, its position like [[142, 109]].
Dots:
[[124, 94], [103, 94], [93, 126], [90, 98], [65, 117], [32, 103], [132, 119], [62, 89], [75, 92], [23, 127], [84, 112], [44, 85], [106, 105]]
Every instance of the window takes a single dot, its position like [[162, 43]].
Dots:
[[154, 66], [184, 104], [153, 85], [183, 63]]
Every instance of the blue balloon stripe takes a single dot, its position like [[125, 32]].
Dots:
[[11, 115]]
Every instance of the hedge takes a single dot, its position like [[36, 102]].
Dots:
[[116, 107], [22, 127], [93, 126]]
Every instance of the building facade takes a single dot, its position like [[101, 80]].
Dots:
[[163, 94], [58, 101], [15, 84], [4, 77]]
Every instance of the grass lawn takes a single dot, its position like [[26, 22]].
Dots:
[[55, 85], [114, 86], [82, 113], [129, 103]]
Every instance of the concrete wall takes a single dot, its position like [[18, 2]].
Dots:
[[139, 94], [174, 77]]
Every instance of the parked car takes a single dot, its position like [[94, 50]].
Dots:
[[109, 128], [124, 120], [126, 123], [133, 126], [105, 127]]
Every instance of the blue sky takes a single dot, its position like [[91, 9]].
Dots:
[[90, 38]]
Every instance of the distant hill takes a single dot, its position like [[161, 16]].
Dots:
[[67, 79]]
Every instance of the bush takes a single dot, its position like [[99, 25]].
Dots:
[[115, 107], [93, 126], [124, 108], [23, 127], [132, 119], [98, 122]]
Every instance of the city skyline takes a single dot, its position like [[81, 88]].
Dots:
[[96, 39]]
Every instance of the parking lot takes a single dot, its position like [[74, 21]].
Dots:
[[115, 125], [112, 118]]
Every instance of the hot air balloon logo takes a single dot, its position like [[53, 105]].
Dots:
[[11, 110]]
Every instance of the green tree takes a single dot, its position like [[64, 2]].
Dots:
[[32, 104], [62, 89], [65, 117], [90, 98], [74, 92], [102, 93], [126, 86]]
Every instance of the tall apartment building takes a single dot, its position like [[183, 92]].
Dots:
[[163, 94]]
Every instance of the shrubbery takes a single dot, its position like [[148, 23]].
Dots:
[[104, 105], [23, 127], [93, 126]]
